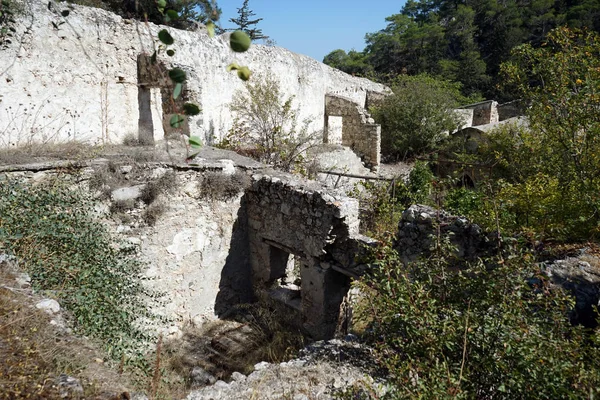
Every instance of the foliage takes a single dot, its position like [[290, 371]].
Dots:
[[240, 42], [382, 203], [8, 10], [417, 117], [561, 82], [543, 174], [464, 41], [187, 12], [245, 24], [492, 330], [353, 62], [52, 229], [216, 185], [266, 126]]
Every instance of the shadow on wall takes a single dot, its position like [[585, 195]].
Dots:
[[235, 286]]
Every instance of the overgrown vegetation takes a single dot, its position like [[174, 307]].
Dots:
[[267, 126], [497, 327], [463, 42], [52, 229], [222, 187], [543, 176], [188, 12], [492, 330], [35, 352], [418, 116], [382, 202]]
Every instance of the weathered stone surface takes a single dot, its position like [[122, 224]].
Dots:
[[359, 132], [319, 228], [321, 370], [127, 193], [582, 280], [50, 306], [417, 228], [69, 387], [200, 377], [81, 81]]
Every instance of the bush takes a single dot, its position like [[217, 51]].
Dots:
[[493, 330], [221, 186], [266, 126], [382, 203], [417, 117], [561, 82], [70, 255]]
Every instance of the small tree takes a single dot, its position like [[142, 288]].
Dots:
[[266, 126], [244, 23], [419, 114], [561, 82]]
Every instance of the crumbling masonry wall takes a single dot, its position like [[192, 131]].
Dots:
[[485, 112], [80, 82], [359, 130], [286, 217]]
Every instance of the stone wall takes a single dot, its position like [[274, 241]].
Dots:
[[359, 131], [187, 246], [76, 78], [220, 237], [485, 112], [287, 217], [418, 228]]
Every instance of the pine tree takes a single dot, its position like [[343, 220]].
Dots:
[[244, 23]]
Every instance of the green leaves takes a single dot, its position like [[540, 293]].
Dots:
[[239, 41], [165, 37], [176, 121], [191, 109], [172, 14], [177, 75], [177, 90], [195, 142], [52, 229], [243, 73], [210, 28]]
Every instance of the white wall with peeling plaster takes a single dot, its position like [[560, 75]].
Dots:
[[80, 81]]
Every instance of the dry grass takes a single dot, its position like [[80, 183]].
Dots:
[[222, 347], [221, 186], [34, 353], [36, 152]]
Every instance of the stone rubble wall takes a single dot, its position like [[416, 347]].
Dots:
[[214, 245], [417, 234], [485, 112], [359, 131], [320, 228], [80, 81]]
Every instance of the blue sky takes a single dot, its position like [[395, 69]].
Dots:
[[313, 27]]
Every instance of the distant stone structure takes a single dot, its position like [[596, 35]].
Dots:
[[359, 131]]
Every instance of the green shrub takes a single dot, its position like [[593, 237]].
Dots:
[[417, 117], [382, 203], [266, 126], [493, 330], [52, 229]]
